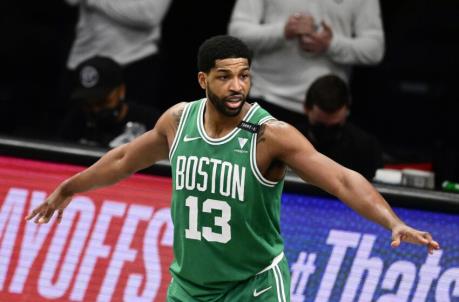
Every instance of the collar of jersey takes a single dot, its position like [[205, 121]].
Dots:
[[230, 135]]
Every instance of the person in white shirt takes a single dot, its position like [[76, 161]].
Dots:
[[297, 41], [127, 31]]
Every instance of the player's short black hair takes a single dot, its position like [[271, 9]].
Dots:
[[219, 48], [329, 93]]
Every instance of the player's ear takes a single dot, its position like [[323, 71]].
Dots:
[[202, 79]]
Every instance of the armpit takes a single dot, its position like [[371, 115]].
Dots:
[[177, 112]]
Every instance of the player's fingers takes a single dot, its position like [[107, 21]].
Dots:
[[38, 217], [60, 213], [40, 209], [433, 246], [396, 239], [427, 236], [430, 249], [47, 216], [423, 238], [32, 214]]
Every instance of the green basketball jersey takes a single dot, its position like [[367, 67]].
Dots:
[[226, 214]]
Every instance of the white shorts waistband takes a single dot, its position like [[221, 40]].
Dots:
[[275, 262]]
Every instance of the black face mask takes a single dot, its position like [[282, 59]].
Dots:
[[325, 136], [106, 118]]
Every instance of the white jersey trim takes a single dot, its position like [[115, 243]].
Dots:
[[275, 262], [230, 135], [253, 157]]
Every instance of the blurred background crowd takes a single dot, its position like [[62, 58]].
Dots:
[[371, 83]]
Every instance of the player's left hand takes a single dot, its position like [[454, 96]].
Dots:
[[403, 233]]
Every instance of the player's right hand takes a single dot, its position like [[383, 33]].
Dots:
[[57, 201]]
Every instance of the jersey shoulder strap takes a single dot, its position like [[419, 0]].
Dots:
[[189, 114], [259, 117]]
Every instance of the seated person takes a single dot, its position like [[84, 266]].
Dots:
[[99, 114], [327, 108]]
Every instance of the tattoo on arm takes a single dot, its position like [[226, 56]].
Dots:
[[260, 135], [261, 138]]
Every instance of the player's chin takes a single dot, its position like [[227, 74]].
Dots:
[[232, 113]]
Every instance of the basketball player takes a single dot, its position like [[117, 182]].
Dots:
[[228, 160]]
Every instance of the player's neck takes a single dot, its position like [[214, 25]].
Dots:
[[217, 124]]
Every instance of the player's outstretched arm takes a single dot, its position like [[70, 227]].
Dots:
[[114, 166], [292, 148]]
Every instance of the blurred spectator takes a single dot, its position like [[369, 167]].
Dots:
[[297, 41], [129, 32], [100, 115], [327, 107]]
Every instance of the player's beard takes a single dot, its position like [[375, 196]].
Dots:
[[219, 103]]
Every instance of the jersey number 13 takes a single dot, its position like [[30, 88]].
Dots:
[[221, 221]]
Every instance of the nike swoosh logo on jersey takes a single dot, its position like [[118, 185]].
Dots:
[[189, 139], [256, 294]]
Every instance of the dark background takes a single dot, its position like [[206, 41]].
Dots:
[[409, 101]]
